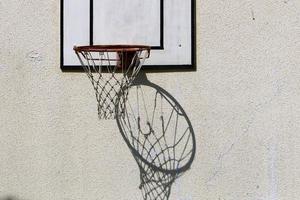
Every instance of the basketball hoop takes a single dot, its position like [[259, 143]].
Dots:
[[121, 63]]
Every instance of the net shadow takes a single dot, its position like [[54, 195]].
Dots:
[[159, 135]]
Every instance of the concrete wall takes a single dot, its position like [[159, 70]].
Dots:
[[243, 102]]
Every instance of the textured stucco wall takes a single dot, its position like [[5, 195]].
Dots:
[[243, 102]]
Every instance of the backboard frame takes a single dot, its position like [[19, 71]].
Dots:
[[150, 68]]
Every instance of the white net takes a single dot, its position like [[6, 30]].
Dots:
[[110, 71]]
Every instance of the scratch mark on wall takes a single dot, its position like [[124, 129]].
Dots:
[[230, 148], [220, 164], [34, 56], [226, 152], [272, 171], [252, 14]]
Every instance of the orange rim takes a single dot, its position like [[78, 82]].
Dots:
[[112, 48]]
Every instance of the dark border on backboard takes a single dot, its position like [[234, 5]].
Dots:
[[161, 25], [147, 68]]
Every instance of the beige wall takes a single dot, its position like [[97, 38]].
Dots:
[[243, 102]]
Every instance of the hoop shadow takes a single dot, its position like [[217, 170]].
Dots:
[[9, 197], [158, 133]]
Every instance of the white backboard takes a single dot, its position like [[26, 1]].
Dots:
[[168, 26]]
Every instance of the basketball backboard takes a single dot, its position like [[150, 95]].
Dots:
[[167, 26]]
